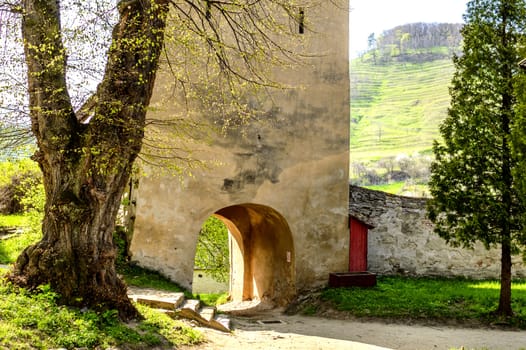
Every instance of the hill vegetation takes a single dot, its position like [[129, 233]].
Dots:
[[399, 96], [415, 42]]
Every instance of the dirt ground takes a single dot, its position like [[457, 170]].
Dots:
[[274, 330], [260, 327]]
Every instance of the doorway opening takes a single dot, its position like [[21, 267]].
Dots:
[[261, 254]]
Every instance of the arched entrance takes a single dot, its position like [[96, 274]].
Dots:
[[261, 252]]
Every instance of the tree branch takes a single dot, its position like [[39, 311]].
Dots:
[[52, 114]]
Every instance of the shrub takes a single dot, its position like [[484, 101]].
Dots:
[[18, 180]]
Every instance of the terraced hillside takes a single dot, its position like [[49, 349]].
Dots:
[[396, 107]]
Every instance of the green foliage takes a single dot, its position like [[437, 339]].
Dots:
[[519, 134], [427, 298], [29, 321], [18, 178], [9, 168], [32, 201], [119, 240], [212, 252], [471, 181], [213, 299], [414, 41], [140, 277], [474, 191]]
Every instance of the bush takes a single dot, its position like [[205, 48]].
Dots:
[[18, 180]]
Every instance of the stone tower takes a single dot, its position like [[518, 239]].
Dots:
[[280, 183]]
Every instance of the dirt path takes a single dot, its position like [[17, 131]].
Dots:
[[308, 333]]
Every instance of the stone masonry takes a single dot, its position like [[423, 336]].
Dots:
[[403, 242]]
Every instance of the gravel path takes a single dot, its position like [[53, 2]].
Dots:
[[263, 331]]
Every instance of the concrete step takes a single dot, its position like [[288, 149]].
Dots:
[[9, 231], [170, 302], [175, 305], [221, 322], [207, 313], [206, 316], [189, 308]]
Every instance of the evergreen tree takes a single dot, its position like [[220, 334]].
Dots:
[[474, 191]]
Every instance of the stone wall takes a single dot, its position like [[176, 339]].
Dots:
[[403, 242]]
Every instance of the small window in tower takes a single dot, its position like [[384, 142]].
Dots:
[[301, 21]]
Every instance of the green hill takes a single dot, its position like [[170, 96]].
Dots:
[[396, 107], [399, 97]]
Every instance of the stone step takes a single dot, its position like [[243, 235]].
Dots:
[[221, 322], [9, 231], [206, 316], [207, 313], [190, 305], [171, 302], [175, 305], [190, 309]]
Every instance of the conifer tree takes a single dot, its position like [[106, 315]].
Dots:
[[472, 183]]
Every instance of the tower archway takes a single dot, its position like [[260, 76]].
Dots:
[[262, 254]]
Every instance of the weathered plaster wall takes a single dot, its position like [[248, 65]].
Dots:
[[294, 161], [403, 240]]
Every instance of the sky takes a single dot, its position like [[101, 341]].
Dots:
[[375, 16]]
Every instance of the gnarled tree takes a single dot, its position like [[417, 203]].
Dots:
[[86, 166]]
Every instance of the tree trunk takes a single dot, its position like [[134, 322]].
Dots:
[[506, 111], [76, 256], [504, 308], [86, 166]]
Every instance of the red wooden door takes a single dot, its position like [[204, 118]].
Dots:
[[358, 246]]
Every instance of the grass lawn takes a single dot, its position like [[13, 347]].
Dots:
[[393, 187], [11, 247], [437, 299], [402, 189], [14, 220], [35, 321]]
